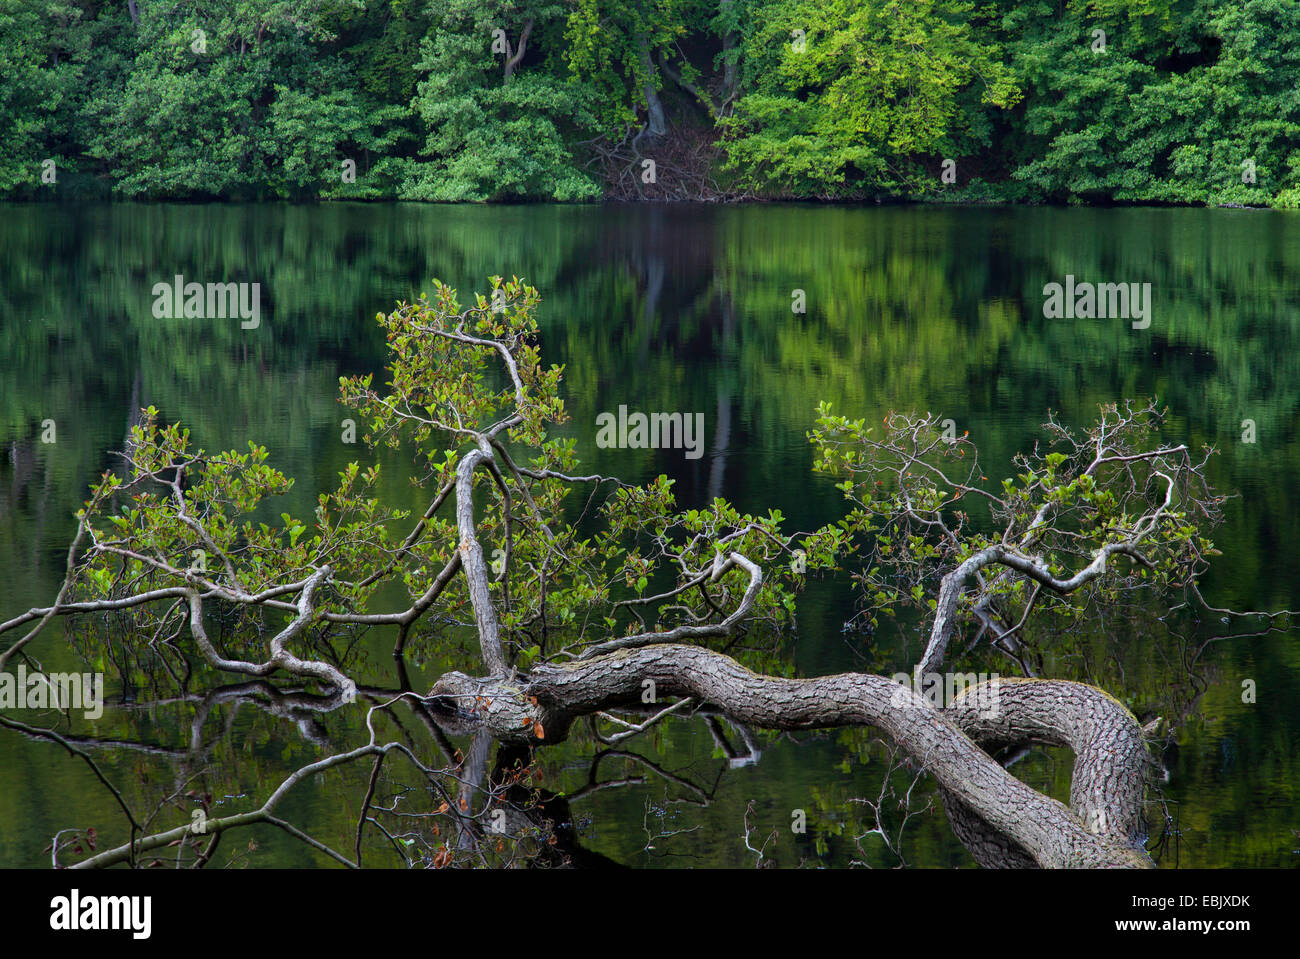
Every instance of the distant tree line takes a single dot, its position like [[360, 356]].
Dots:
[[1165, 101]]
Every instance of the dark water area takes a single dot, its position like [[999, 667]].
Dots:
[[673, 309]]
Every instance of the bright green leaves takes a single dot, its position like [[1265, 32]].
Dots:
[[613, 46], [294, 528], [182, 510], [447, 377], [491, 136], [846, 95]]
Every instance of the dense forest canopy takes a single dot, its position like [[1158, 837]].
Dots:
[[1167, 101]]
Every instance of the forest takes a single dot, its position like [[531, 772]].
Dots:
[[539, 435], [1079, 101]]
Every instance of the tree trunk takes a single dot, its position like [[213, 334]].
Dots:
[[514, 59], [1100, 830], [656, 123], [729, 71]]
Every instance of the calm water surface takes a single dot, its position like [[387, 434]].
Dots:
[[685, 309]]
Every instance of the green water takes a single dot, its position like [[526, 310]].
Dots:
[[687, 309]]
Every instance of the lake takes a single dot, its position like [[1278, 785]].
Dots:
[[664, 308]]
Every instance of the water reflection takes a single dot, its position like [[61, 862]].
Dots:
[[669, 309]]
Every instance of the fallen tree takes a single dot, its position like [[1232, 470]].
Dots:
[[560, 600], [1110, 753]]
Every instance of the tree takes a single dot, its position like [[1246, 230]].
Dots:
[[584, 604], [844, 97], [616, 46], [498, 126], [42, 63], [1194, 108], [239, 100]]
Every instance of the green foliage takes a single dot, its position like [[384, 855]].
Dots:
[[43, 55], [614, 45], [1187, 103], [493, 137], [239, 100], [846, 95], [913, 492], [1170, 101], [182, 517]]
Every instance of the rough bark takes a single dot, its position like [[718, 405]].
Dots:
[[1052, 835], [1110, 760]]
